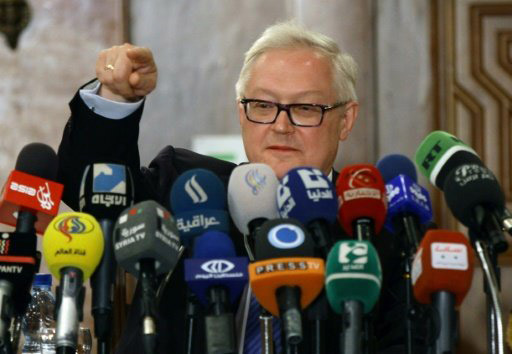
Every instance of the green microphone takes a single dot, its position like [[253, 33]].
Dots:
[[439, 153], [353, 282]]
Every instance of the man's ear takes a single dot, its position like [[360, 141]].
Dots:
[[241, 112], [348, 119]]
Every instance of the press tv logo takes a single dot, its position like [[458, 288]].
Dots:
[[195, 191], [286, 236]]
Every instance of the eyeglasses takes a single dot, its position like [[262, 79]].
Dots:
[[299, 114]]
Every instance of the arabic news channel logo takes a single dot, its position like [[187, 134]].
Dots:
[[109, 178], [353, 252], [255, 180], [74, 225], [286, 236], [195, 191], [217, 266]]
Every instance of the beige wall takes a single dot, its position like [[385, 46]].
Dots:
[[55, 54], [199, 47]]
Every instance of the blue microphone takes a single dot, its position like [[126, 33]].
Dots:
[[390, 164], [198, 201], [409, 204], [217, 277], [307, 195]]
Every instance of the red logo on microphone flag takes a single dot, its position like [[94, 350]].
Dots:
[[23, 191]]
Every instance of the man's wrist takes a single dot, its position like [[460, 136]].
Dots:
[[109, 95], [105, 107]]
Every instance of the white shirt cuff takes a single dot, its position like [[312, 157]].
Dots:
[[104, 107]]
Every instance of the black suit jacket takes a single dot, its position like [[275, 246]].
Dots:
[[90, 138]]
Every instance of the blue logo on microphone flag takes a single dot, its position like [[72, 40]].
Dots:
[[109, 178], [286, 236], [230, 272]]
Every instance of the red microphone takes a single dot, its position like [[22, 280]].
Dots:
[[362, 200], [442, 272], [30, 198]]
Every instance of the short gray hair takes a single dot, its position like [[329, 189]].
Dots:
[[289, 35]]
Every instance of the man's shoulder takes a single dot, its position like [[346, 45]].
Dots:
[[184, 159]]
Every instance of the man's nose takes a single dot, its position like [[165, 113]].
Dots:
[[283, 123]]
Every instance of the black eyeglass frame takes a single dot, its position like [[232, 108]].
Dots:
[[286, 108]]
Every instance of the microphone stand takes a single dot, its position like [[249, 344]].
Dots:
[[408, 226], [148, 287], [364, 229], [490, 232], [318, 310], [6, 290], [495, 332], [266, 330], [352, 327], [191, 316]]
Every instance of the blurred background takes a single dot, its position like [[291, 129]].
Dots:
[[424, 65]]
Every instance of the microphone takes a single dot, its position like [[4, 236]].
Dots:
[[105, 191], [389, 164], [442, 272], [307, 195], [72, 246], [217, 277], [146, 244], [30, 198], [362, 199], [439, 153], [286, 276], [252, 199], [472, 191], [409, 204], [440, 157], [198, 201], [455, 168], [18, 264], [353, 282]]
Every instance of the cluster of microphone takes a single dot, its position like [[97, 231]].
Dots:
[[298, 266]]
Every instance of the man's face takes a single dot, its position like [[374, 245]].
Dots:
[[294, 76]]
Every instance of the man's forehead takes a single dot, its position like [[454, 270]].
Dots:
[[296, 73], [294, 94], [302, 55]]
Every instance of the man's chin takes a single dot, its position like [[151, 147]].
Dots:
[[281, 168]]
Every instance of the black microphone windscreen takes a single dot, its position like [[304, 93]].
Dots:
[[39, 160], [283, 238], [455, 160], [468, 186]]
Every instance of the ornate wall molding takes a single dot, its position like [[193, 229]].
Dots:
[[472, 66]]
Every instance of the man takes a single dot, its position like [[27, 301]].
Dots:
[[296, 101]]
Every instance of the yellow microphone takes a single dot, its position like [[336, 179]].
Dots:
[[72, 247]]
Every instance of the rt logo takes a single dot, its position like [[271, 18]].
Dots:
[[353, 252]]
